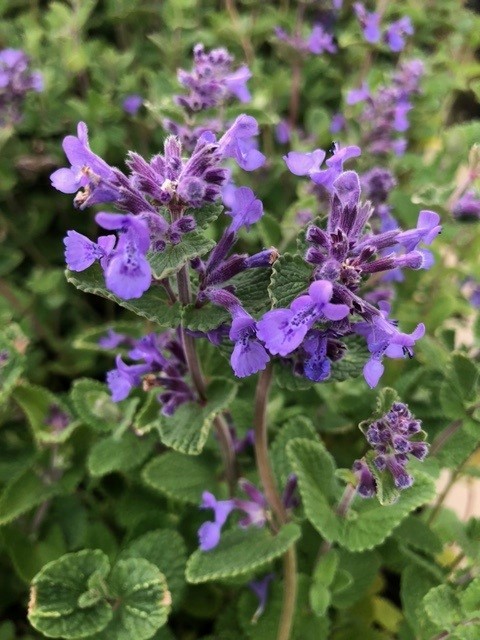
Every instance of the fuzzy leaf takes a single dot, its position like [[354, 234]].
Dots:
[[442, 607], [187, 430], [205, 215], [56, 606], [299, 427], [239, 552], [118, 454], [168, 262], [153, 305], [204, 318], [290, 278], [143, 600], [37, 402], [95, 407], [352, 363], [367, 523], [165, 549], [464, 375], [181, 477], [470, 598], [28, 490]]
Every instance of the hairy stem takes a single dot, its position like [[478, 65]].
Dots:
[[274, 500]]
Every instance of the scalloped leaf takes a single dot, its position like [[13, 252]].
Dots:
[[153, 305], [168, 262], [352, 363], [298, 427], [118, 454], [290, 278], [188, 429], [206, 214], [181, 477], [239, 552], [142, 598], [95, 407], [165, 549], [64, 601], [367, 523]]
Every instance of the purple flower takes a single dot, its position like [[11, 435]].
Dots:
[[128, 274], [81, 252], [327, 177], [283, 330], [124, 378], [260, 589], [384, 339], [132, 103], [370, 23], [394, 437], [239, 143], [255, 509], [337, 123], [320, 41], [366, 483], [209, 532], [282, 132], [377, 183], [427, 230], [246, 209], [112, 340], [89, 175], [358, 95], [212, 80], [303, 164], [16, 81], [467, 207], [396, 32]]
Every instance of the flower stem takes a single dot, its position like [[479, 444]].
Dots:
[[274, 500], [343, 506]]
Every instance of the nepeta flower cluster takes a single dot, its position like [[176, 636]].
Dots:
[[394, 438], [255, 510], [385, 112], [146, 198], [16, 81], [394, 35], [319, 41]]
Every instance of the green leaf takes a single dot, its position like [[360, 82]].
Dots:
[[88, 339], [470, 598], [153, 305], [415, 584], [204, 318], [165, 549], [451, 401], [28, 490], [37, 402], [181, 477], [94, 405], [188, 429], [387, 493], [168, 262], [352, 363], [286, 378], [442, 607], [291, 276], [239, 552], [299, 427], [464, 375], [251, 287], [386, 397], [205, 215], [326, 568], [416, 533], [367, 523], [143, 600], [363, 568], [118, 454], [319, 598], [13, 344], [57, 608]]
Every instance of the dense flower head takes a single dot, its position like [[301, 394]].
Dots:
[[213, 80], [159, 361], [317, 42], [16, 80], [385, 112], [395, 437]]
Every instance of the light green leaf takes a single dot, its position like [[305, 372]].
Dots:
[[239, 552], [290, 278], [464, 375], [166, 263], [416, 533], [165, 549], [326, 568], [442, 607], [299, 427], [352, 363], [363, 568], [57, 608], [94, 405], [118, 454], [319, 598], [204, 318], [188, 429], [143, 601], [415, 584], [451, 401], [37, 402], [205, 215], [181, 477], [367, 523], [153, 305], [28, 490], [470, 598]]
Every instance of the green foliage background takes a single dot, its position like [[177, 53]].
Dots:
[[120, 510]]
